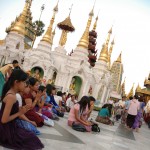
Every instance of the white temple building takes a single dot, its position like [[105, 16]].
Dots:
[[71, 73]]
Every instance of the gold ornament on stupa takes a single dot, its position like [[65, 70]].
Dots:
[[66, 26], [104, 51], [131, 93], [119, 58], [48, 37], [110, 52], [23, 24], [84, 41]]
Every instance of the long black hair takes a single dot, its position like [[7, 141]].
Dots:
[[83, 103], [32, 81], [41, 88], [16, 75], [49, 89]]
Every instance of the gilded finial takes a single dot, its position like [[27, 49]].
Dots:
[[70, 9], [131, 93], [108, 37], [123, 88], [110, 52], [138, 88], [119, 58], [48, 37], [56, 7], [95, 24], [84, 41], [104, 53]]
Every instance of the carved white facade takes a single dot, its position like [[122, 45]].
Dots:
[[57, 60]]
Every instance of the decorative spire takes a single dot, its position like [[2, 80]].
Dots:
[[138, 88], [95, 24], [123, 88], [104, 51], [53, 34], [108, 37], [131, 92], [84, 41], [119, 58], [110, 52], [23, 24], [48, 35], [66, 26], [19, 24]]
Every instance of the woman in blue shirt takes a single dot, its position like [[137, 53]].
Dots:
[[50, 90], [103, 115]]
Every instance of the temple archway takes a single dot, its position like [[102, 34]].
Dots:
[[75, 85]]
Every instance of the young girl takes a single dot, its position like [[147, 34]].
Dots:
[[11, 136]]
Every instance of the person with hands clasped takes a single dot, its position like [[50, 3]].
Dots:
[[12, 136], [32, 98], [77, 112]]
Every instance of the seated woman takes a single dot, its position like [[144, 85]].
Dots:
[[51, 91], [103, 115], [12, 136], [31, 99], [23, 121], [40, 108], [77, 112]]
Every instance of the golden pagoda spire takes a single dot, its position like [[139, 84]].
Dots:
[[108, 37], [95, 24], [19, 24], [138, 88], [53, 34], [104, 51], [123, 87], [131, 92], [119, 58], [84, 41], [48, 35], [110, 52]]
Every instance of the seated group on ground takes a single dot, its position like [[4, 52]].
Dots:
[[26, 105]]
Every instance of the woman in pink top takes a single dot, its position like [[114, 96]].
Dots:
[[77, 113], [132, 111]]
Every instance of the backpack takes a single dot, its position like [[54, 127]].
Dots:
[[78, 127], [95, 128]]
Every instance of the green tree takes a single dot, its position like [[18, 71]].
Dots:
[[38, 27]]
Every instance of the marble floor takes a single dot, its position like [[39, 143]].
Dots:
[[115, 137]]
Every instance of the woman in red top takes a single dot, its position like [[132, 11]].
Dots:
[[31, 99]]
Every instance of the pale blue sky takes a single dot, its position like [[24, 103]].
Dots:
[[130, 19]]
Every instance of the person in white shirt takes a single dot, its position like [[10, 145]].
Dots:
[[70, 102]]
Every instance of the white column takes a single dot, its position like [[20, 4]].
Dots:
[[104, 95], [107, 95]]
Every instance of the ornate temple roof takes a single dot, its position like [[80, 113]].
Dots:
[[23, 23]]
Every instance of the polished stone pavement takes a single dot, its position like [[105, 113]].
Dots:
[[115, 137]]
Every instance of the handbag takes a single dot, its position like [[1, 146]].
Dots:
[[95, 128], [78, 127]]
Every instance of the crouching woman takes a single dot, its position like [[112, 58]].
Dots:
[[77, 112]]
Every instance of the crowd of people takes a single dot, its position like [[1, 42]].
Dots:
[[27, 104], [132, 112]]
